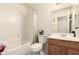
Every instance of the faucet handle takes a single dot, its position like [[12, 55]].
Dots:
[[73, 31]]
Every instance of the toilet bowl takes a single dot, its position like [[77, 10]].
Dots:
[[36, 47]]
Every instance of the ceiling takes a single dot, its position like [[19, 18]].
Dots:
[[54, 6]]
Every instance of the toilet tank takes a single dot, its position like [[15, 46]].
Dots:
[[42, 38]]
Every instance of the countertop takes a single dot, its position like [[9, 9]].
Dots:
[[67, 38]]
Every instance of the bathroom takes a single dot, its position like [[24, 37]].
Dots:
[[27, 28]]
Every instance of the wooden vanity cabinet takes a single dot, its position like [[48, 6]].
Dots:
[[62, 47], [54, 50]]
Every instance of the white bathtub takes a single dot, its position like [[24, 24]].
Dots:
[[21, 50]]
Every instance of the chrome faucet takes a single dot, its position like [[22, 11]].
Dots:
[[74, 33]]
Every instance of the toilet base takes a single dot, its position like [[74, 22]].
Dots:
[[36, 53], [36, 47]]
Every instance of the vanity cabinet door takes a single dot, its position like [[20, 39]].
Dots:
[[65, 52], [55, 50], [73, 52], [60, 47]]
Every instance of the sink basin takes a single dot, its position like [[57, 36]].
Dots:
[[68, 37], [61, 35]]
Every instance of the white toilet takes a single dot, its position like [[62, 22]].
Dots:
[[37, 47], [42, 38]]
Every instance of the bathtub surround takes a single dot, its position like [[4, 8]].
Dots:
[[10, 21], [27, 26], [16, 25], [32, 23]]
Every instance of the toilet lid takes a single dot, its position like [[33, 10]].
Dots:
[[36, 45]]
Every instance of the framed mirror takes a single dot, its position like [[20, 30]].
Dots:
[[61, 20]]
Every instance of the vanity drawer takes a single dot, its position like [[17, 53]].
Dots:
[[55, 41]]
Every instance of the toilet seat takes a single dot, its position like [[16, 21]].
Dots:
[[36, 47]]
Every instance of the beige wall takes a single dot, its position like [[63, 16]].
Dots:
[[44, 14]]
